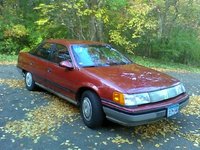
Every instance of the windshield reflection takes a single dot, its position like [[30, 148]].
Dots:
[[98, 55]]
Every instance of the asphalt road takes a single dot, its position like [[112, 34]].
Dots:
[[38, 120]]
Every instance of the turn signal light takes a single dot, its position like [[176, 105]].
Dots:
[[118, 98]]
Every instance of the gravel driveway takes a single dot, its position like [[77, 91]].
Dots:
[[39, 120]]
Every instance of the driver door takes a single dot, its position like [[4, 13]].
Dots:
[[61, 79]]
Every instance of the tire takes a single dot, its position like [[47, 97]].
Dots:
[[30, 83], [91, 110]]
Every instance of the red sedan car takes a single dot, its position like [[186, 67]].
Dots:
[[103, 82]]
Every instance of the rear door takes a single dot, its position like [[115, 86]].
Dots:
[[61, 79], [39, 63]]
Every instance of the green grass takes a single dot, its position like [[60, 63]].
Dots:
[[153, 63], [169, 66], [8, 58]]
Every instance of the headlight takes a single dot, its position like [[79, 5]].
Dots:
[[131, 99], [160, 95], [180, 89], [168, 93], [151, 97], [136, 99]]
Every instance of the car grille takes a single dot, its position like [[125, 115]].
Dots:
[[168, 93]]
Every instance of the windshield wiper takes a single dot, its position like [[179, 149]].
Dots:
[[89, 66]]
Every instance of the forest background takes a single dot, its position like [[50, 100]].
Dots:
[[167, 30]]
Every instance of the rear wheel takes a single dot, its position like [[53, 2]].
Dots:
[[30, 83], [91, 110]]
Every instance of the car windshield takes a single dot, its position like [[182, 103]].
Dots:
[[98, 55]]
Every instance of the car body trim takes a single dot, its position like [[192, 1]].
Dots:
[[58, 94], [141, 108], [55, 84], [138, 119], [60, 87]]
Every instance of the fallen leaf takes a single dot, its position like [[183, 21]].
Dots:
[[157, 145], [43, 119], [193, 108]]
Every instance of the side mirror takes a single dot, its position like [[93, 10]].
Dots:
[[66, 64]]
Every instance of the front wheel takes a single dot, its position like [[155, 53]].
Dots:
[[30, 83], [91, 110]]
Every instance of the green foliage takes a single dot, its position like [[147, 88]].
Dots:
[[8, 58], [8, 46], [115, 5], [13, 39], [176, 38], [163, 65], [16, 31], [132, 25], [166, 30], [181, 47]]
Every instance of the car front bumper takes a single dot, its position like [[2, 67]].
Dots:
[[143, 116]]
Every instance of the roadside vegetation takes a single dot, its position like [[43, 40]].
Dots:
[[164, 66], [166, 30], [8, 58]]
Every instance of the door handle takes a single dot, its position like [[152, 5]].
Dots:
[[49, 70], [31, 63]]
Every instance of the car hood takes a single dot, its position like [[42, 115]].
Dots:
[[133, 78]]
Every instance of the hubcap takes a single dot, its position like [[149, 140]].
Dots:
[[87, 108], [29, 79]]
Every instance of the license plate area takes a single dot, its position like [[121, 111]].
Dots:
[[172, 110]]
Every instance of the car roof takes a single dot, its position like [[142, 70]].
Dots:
[[71, 42]]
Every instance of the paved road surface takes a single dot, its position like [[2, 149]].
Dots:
[[38, 120]]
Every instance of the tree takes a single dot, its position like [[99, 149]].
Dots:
[[162, 29]]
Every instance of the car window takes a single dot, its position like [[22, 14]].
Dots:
[[60, 53], [43, 50], [98, 55]]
